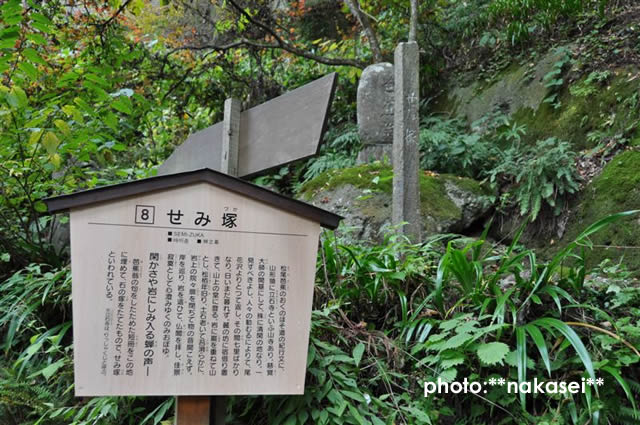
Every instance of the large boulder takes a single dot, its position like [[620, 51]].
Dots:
[[362, 195], [518, 87]]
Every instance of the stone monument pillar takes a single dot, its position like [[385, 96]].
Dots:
[[375, 112], [406, 155]]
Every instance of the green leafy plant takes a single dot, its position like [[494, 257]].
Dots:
[[447, 146], [525, 17], [462, 270], [553, 80], [591, 84], [532, 176], [339, 150]]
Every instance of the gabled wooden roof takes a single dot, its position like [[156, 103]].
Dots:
[[112, 192]]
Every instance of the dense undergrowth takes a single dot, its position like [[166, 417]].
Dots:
[[453, 308], [89, 99], [386, 319]]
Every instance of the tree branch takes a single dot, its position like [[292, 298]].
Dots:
[[285, 45], [262, 45], [413, 23], [363, 18], [115, 15]]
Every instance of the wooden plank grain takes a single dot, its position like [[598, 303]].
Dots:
[[230, 137], [193, 410], [285, 129]]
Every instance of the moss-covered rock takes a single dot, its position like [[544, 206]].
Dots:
[[601, 107], [362, 195], [616, 189], [517, 87], [608, 107]]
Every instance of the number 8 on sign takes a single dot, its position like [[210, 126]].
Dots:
[[145, 214]]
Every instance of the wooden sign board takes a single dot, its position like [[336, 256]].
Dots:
[[190, 290], [275, 133]]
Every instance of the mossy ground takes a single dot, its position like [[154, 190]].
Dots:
[[616, 189], [612, 109], [378, 177]]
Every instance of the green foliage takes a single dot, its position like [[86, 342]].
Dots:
[[339, 150], [615, 188], [67, 111], [552, 80], [528, 176], [523, 18], [375, 277], [591, 84], [345, 386], [512, 319], [544, 173], [36, 369], [446, 146], [516, 289], [456, 346], [32, 300]]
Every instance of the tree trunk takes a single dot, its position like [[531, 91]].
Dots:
[[413, 23], [363, 19]]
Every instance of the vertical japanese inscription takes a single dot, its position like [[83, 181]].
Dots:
[[226, 316], [120, 311], [237, 323], [249, 318], [108, 294], [260, 318], [193, 310], [133, 317], [207, 316], [168, 306], [282, 316], [271, 321], [215, 317], [177, 366], [204, 315], [152, 297]]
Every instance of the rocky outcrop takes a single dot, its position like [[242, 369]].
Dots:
[[362, 195], [519, 87]]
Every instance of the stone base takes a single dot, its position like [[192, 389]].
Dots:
[[377, 152], [454, 203]]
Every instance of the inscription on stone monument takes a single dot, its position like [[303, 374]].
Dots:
[[376, 110]]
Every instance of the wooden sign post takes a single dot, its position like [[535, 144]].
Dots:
[[275, 133], [197, 410], [211, 410], [193, 284]]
